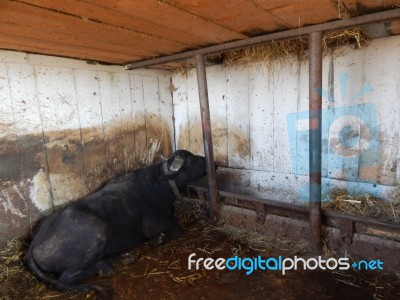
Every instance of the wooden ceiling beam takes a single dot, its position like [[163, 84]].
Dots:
[[32, 45], [152, 18], [30, 21]]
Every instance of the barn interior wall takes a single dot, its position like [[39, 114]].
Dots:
[[67, 126], [259, 122]]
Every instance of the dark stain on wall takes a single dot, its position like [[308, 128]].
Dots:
[[239, 143], [224, 141], [9, 158], [41, 171], [220, 141]]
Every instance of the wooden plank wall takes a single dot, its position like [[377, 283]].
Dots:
[[66, 127], [259, 115]]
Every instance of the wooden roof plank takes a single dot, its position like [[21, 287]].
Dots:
[[118, 19], [12, 42], [69, 41], [298, 14], [132, 30], [303, 13], [152, 18], [49, 25], [165, 15], [243, 16]]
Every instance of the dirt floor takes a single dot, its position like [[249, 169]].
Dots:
[[162, 273]]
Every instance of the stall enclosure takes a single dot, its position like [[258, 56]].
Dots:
[[67, 126], [259, 117]]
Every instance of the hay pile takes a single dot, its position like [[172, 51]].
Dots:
[[355, 36], [365, 205], [13, 276], [277, 50], [266, 53], [282, 49]]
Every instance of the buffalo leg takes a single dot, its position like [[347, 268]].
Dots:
[[165, 236], [73, 276], [162, 231]]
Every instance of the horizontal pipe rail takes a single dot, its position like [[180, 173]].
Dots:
[[282, 35], [362, 225]]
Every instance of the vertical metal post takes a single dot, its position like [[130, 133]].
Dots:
[[207, 136], [315, 106]]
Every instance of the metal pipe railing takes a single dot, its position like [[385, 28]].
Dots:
[[315, 145], [315, 34], [207, 135]]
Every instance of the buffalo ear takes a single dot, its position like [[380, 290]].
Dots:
[[177, 164], [173, 170]]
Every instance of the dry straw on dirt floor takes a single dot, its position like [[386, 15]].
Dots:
[[365, 205], [167, 263], [13, 275]]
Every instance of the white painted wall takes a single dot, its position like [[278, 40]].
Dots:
[[259, 122], [67, 126]]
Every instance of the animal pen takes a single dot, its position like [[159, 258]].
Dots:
[[301, 114]]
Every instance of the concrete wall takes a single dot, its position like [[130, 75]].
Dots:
[[67, 126], [259, 114]]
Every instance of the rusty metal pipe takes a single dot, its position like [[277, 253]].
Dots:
[[362, 225], [207, 136], [315, 118], [282, 35]]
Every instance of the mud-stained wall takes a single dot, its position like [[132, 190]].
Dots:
[[259, 116], [66, 127]]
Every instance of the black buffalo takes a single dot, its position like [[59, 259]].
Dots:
[[77, 241]]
